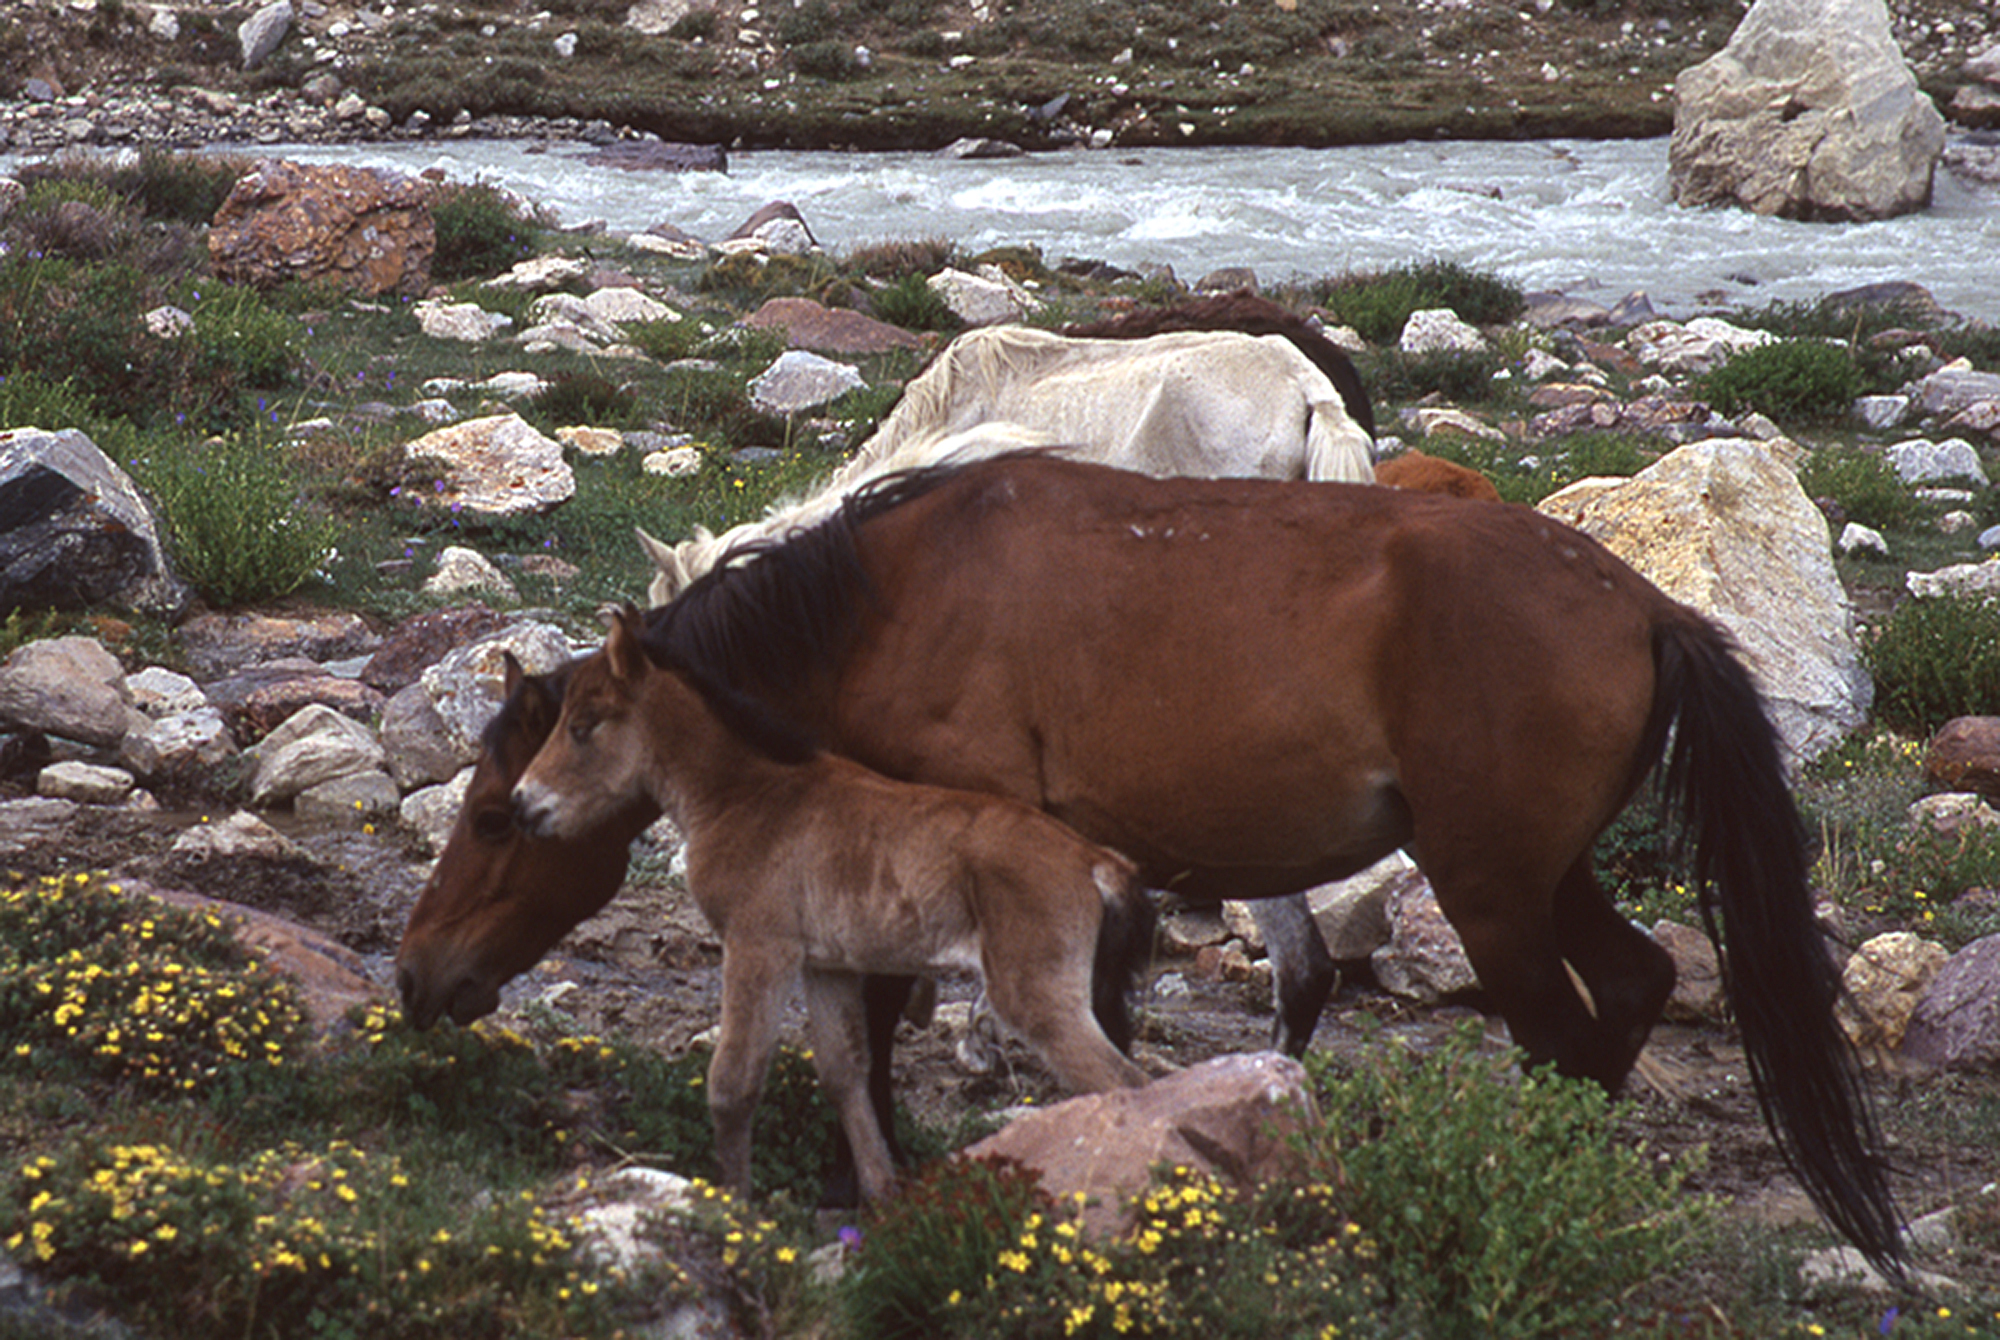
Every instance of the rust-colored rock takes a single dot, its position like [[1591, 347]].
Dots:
[[1230, 1116], [365, 230], [1965, 756], [830, 330]]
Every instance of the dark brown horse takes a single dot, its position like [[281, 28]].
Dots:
[[1254, 687]]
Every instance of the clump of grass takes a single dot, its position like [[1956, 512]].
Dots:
[[1500, 1204], [1788, 380], [1934, 659], [583, 398], [896, 259], [238, 526], [480, 232], [910, 302], [1378, 305], [1862, 482], [1554, 465], [1460, 376]]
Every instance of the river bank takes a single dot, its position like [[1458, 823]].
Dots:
[[887, 74]]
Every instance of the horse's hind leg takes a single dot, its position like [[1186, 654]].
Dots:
[[1628, 975], [1302, 971], [1506, 923], [885, 999], [837, 1016]]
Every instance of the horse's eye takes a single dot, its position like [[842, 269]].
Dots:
[[493, 825], [579, 730]]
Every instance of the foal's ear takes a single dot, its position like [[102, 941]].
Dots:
[[511, 674], [621, 644]]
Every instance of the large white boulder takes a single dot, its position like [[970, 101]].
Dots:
[[1723, 526], [1810, 112]]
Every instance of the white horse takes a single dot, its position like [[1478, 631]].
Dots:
[[1194, 402]]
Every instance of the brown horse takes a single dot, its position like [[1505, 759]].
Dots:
[[813, 869], [1253, 687]]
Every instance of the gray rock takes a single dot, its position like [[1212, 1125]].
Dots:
[[78, 533], [461, 571], [1957, 1023], [1439, 330], [351, 800], [260, 34], [465, 686], [1921, 461], [85, 783], [67, 686], [497, 466], [413, 736], [800, 381], [314, 745], [1724, 526], [428, 814], [1352, 914], [1809, 112], [1957, 388], [1882, 412], [467, 322], [1698, 993], [1424, 958], [179, 744], [241, 836]]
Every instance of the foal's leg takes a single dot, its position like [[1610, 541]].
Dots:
[[837, 1019], [886, 999], [755, 976], [1628, 974], [1302, 971]]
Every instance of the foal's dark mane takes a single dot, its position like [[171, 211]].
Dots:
[[1252, 315], [771, 611]]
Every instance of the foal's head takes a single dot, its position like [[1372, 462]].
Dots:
[[596, 761]]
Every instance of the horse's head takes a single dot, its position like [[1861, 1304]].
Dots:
[[596, 763], [499, 898]]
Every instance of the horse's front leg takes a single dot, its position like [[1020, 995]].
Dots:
[[755, 976], [836, 1016]]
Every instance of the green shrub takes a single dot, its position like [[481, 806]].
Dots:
[[825, 60], [1786, 380], [177, 187], [913, 304], [1934, 659], [582, 398], [480, 232], [803, 24], [1462, 376], [1379, 305], [1500, 1203], [237, 524], [668, 341], [900, 258], [696, 24], [1862, 482]]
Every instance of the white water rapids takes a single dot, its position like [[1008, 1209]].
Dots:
[[1592, 219]]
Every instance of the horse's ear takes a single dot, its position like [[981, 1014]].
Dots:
[[511, 674], [621, 644], [669, 573]]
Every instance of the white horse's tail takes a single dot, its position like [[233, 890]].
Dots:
[[1337, 447]]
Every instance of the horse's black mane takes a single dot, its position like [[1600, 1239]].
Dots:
[[772, 610]]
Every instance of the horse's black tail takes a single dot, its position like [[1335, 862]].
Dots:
[[1124, 940], [1726, 778]]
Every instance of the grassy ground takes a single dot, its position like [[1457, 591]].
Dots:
[[292, 1189]]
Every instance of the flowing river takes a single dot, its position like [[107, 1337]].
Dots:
[[1591, 218]]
